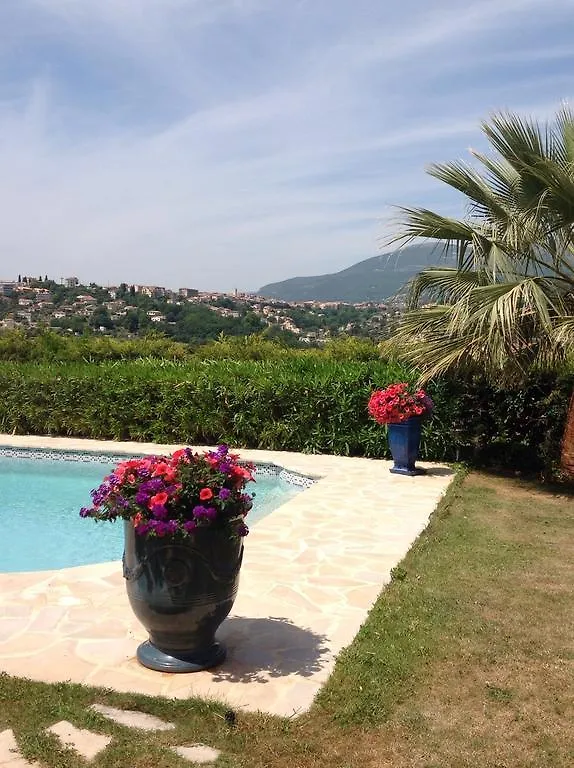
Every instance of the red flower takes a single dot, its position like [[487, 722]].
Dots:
[[243, 472], [159, 499], [205, 494], [395, 404], [160, 469]]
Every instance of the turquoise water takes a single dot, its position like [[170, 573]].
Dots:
[[39, 504]]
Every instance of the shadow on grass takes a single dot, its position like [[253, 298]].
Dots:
[[529, 481], [439, 472], [263, 648]]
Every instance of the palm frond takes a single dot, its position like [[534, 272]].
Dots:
[[486, 203], [444, 285]]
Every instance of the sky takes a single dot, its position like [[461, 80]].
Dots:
[[226, 144]]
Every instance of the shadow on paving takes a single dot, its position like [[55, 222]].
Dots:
[[263, 648]]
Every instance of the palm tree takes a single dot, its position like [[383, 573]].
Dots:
[[507, 307]]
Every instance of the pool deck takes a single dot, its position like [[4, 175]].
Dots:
[[311, 572]]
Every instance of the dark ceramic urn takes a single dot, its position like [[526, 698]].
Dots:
[[181, 589]]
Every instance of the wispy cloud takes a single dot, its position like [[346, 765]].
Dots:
[[229, 143]]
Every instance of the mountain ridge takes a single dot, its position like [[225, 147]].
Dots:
[[377, 278]]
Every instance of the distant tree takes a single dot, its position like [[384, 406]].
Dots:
[[282, 337], [225, 302], [131, 321], [101, 318], [252, 323]]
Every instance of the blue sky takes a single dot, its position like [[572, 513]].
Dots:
[[225, 144]]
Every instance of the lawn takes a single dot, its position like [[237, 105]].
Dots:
[[467, 659]]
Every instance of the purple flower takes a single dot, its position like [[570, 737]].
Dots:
[[143, 528], [242, 529], [99, 495], [204, 513], [162, 528], [222, 449], [152, 486], [225, 467], [159, 527], [142, 498], [85, 512], [122, 502], [189, 526], [159, 511], [224, 494]]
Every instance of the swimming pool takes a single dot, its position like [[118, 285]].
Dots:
[[41, 495]]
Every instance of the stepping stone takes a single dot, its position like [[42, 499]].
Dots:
[[133, 719], [10, 756], [85, 742], [198, 753]]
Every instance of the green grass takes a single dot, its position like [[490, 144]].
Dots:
[[466, 659]]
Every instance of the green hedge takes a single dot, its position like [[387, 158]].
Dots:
[[298, 404]]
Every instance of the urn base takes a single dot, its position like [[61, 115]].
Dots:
[[160, 661], [406, 471]]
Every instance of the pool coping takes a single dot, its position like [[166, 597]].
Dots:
[[312, 570]]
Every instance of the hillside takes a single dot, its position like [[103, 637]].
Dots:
[[374, 279]]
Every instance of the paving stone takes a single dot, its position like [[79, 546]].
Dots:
[[132, 718], [10, 756], [87, 743], [198, 753]]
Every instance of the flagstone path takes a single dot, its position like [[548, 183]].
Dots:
[[89, 744]]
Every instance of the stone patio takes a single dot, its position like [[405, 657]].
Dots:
[[311, 572]]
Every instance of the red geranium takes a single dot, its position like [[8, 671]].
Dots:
[[395, 404]]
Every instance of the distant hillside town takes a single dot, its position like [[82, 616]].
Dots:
[[186, 314]]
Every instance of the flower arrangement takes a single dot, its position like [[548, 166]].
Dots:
[[396, 403], [165, 495]]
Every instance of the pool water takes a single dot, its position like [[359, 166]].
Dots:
[[40, 500]]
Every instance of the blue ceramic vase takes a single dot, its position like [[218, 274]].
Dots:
[[404, 441]]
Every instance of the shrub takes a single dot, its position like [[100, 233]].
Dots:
[[301, 403]]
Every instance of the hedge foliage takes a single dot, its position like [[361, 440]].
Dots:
[[45, 345], [307, 404]]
